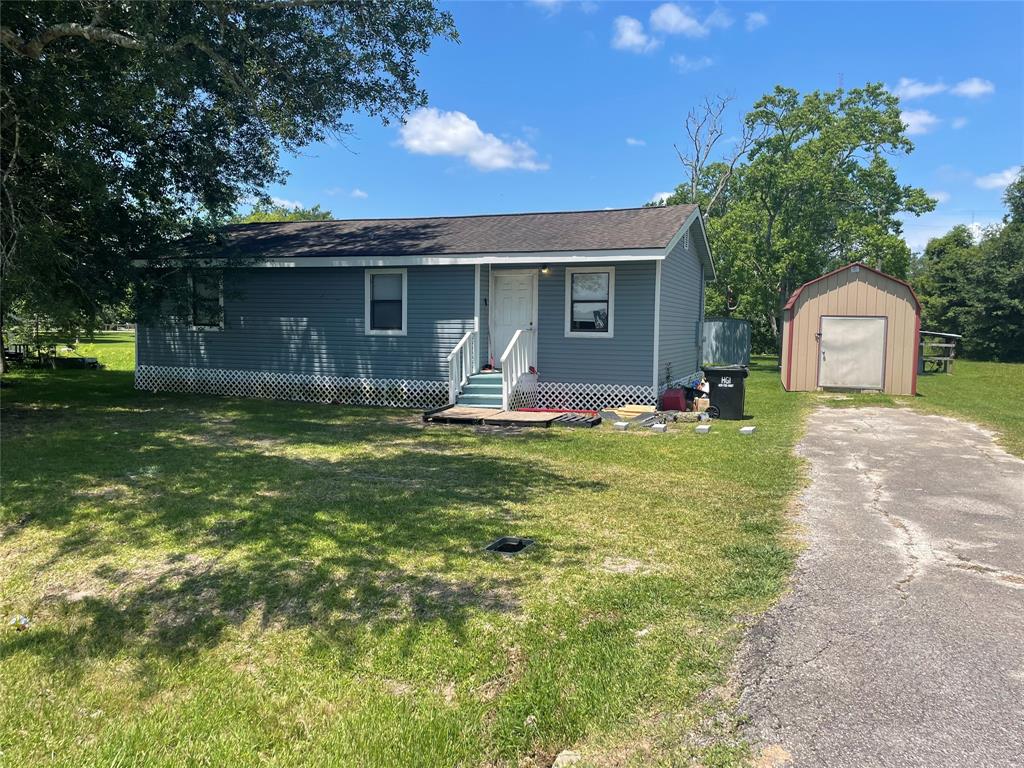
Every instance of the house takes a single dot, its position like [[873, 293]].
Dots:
[[854, 328], [582, 309]]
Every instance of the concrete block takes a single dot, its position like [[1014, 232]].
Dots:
[[747, 430], [703, 429], [659, 427], [622, 426]]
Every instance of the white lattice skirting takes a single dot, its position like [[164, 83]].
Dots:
[[524, 395], [393, 393], [553, 394]]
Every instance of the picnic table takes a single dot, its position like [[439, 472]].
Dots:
[[938, 351]]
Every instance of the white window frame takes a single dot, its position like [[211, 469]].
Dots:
[[571, 334], [191, 306], [368, 298]]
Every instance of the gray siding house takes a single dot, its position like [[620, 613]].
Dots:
[[583, 309]]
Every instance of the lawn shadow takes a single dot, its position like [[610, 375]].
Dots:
[[237, 515]]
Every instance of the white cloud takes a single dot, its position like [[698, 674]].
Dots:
[[999, 179], [973, 87], [684, 64], [918, 230], [635, 142], [939, 197], [285, 203], [332, 191], [666, 19], [756, 20], [908, 88], [428, 131], [630, 36], [719, 19], [359, 194], [959, 122], [919, 121], [673, 20], [550, 6], [554, 6], [660, 198]]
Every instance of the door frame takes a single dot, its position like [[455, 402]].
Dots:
[[534, 273], [885, 347]]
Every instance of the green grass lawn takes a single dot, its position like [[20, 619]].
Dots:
[[215, 581]]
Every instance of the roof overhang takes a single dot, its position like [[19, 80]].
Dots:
[[527, 257], [446, 259]]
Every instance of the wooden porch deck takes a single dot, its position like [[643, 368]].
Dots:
[[462, 414]]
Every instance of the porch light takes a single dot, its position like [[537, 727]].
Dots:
[[545, 269]]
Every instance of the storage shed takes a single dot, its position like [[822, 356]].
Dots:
[[854, 328]]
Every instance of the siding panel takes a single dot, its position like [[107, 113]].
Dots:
[[310, 321], [679, 335], [627, 358]]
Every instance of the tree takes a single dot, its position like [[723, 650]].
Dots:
[[814, 192], [977, 289], [124, 126], [267, 213], [941, 286], [706, 180]]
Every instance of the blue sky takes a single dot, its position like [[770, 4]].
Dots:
[[576, 105]]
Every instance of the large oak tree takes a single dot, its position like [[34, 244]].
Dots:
[[814, 190], [124, 125]]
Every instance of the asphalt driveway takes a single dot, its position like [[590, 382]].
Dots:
[[901, 642]]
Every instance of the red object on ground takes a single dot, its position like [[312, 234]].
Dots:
[[673, 400], [557, 410]]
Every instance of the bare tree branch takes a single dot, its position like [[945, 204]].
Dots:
[[705, 128]]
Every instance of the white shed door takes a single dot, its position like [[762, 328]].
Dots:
[[852, 352]]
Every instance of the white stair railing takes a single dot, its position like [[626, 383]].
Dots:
[[463, 362], [515, 363]]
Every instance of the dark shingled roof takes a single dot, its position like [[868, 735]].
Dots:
[[502, 233]]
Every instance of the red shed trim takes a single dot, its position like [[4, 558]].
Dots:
[[790, 307]]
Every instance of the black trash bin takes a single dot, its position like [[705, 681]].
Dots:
[[728, 390]]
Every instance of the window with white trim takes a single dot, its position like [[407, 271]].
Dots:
[[590, 302], [206, 299], [385, 309]]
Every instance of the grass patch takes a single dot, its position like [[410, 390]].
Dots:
[[229, 582]]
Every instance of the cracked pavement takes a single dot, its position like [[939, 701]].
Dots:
[[901, 640]]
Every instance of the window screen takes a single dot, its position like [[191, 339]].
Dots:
[[590, 298], [386, 302]]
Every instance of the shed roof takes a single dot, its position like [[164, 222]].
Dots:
[[618, 229], [796, 294]]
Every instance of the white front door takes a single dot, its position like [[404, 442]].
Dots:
[[852, 352], [512, 308]]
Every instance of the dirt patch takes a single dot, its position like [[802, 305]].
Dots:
[[773, 756], [626, 565], [428, 597], [397, 688], [102, 492], [492, 689]]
